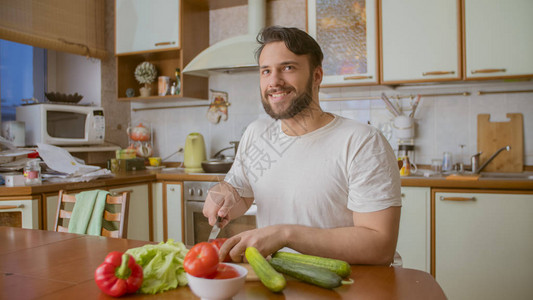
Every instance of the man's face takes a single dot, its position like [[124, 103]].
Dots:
[[286, 81]]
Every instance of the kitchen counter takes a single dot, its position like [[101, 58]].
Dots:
[[178, 175], [53, 265]]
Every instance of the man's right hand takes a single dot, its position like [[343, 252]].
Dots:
[[224, 201]]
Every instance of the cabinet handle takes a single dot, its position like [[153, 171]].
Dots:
[[357, 77], [11, 206], [442, 198], [172, 189], [164, 44], [432, 73], [488, 71]]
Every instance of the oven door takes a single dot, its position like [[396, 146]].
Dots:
[[197, 227], [19, 213]]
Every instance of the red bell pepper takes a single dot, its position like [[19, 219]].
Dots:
[[119, 274]]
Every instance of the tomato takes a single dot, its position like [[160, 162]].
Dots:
[[218, 244], [201, 260], [224, 271]]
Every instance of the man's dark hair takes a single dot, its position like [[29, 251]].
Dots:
[[296, 40]]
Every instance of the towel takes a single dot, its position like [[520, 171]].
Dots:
[[88, 213]]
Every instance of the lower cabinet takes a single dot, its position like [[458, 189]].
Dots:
[[414, 236], [139, 212], [168, 211], [22, 212], [483, 244]]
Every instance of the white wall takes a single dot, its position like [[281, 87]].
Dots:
[[70, 73], [442, 123]]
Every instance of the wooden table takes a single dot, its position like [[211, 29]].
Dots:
[[52, 265]]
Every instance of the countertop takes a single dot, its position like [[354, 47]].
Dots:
[[128, 178]]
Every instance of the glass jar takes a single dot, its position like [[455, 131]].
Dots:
[[32, 172]]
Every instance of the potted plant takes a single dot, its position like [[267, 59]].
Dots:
[[145, 73]]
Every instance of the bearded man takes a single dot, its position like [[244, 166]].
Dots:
[[324, 185]]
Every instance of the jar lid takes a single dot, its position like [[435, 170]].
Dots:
[[406, 147]]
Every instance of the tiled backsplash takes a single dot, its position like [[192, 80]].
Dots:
[[442, 123]]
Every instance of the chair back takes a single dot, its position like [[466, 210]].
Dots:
[[66, 203]]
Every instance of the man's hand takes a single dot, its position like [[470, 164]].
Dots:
[[267, 240], [224, 201]]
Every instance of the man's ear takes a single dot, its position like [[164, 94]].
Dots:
[[318, 74]]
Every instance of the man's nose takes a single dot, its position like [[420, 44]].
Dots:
[[275, 79]]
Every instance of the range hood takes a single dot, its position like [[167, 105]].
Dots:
[[236, 53]]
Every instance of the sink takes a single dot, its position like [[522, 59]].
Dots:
[[521, 175]]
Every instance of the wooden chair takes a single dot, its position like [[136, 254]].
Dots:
[[121, 217]]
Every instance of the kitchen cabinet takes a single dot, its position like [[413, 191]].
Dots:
[[140, 209], [144, 26], [169, 35], [497, 37], [420, 41], [347, 33], [23, 212], [168, 211], [414, 236], [174, 211], [483, 244]]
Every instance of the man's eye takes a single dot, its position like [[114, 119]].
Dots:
[[265, 72], [288, 68]]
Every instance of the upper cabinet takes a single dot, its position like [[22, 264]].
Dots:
[[420, 41], [347, 32], [498, 41], [143, 25], [166, 33]]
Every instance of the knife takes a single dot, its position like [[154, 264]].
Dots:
[[216, 229]]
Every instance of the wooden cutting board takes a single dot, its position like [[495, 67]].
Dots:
[[492, 136]]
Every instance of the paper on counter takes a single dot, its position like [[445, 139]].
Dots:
[[60, 160]]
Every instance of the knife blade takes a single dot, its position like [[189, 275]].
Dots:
[[216, 229]]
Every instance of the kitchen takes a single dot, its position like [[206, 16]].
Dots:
[[443, 123]]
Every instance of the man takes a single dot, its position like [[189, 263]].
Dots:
[[323, 185]]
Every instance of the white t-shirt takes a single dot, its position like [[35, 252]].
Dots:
[[316, 179]]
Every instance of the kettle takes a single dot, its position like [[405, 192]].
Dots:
[[194, 153]]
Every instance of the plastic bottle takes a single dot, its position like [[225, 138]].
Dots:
[[32, 172], [177, 90]]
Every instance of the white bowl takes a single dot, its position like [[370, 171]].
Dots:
[[218, 289]]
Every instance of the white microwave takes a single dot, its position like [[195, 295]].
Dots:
[[62, 124]]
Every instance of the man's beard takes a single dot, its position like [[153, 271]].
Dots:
[[300, 103]]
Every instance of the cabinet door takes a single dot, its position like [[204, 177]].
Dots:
[[420, 41], [347, 32], [483, 245], [174, 212], [146, 25], [498, 38], [139, 211], [414, 236], [157, 215]]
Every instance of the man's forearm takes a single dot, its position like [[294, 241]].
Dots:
[[357, 245]]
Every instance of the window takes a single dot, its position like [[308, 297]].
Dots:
[[22, 76]]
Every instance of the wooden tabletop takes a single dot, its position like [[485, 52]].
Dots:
[[52, 265]]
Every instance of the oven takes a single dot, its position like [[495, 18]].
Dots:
[[20, 213], [197, 227]]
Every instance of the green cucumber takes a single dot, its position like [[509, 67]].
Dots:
[[273, 280], [340, 267], [308, 273]]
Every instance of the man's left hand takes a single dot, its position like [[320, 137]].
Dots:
[[267, 240]]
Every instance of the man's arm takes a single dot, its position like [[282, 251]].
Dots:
[[372, 239]]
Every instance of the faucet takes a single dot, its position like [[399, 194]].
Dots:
[[475, 159], [235, 146]]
